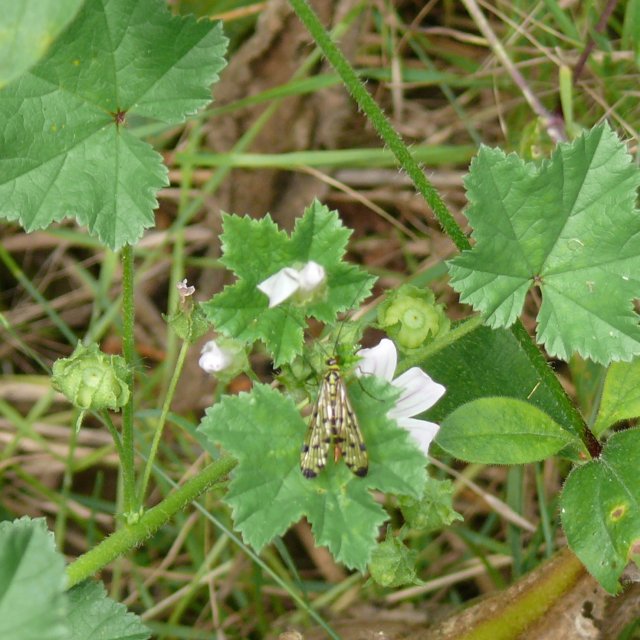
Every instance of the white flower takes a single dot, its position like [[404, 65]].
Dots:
[[284, 283], [214, 358], [418, 392]]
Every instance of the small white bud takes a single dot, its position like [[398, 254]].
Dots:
[[288, 281], [213, 358]]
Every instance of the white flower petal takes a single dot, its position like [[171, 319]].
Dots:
[[311, 276], [280, 286], [418, 393], [421, 431], [213, 358], [379, 361]]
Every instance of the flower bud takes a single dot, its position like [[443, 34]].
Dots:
[[189, 323], [91, 379], [224, 358], [185, 290], [410, 317], [392, 563]]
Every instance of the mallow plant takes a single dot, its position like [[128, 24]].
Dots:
[[341, 433]]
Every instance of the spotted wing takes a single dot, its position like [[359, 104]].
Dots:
[[313, 456], [347, 434]]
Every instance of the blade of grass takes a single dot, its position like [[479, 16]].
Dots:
[[433, 154], [19, 275]]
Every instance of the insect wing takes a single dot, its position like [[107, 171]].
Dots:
[[348, 434], [333, 420], [313, 456]]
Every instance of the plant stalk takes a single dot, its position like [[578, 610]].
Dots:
[[133, 535], [380, 122], [395, 143], [166, 406]]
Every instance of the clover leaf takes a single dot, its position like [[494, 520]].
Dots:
[[600, 509]]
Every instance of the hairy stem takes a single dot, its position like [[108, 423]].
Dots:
[[380, 122], [133, 535], [548, 377], [392, 139]]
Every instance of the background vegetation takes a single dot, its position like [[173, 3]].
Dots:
[[282, 131]]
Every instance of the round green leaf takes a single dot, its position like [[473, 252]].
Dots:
[[568, 225], [66, 147], [502, 431], [27, 29], [600, 509]]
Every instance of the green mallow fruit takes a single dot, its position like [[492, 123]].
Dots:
[[411, 317], [91, 379]]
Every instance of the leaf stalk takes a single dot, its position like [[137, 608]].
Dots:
[[166, 406]]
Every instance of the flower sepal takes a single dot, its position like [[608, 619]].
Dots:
[[189, 324], [434, 510], [188, 320], [393, 564]]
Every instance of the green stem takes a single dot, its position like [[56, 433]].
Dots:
[[420, 355], [130, 504], [132, 535], [549, 379], [177, 370], [114, 433], [380, 122], [392, 139]]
